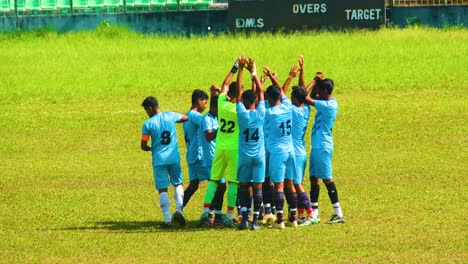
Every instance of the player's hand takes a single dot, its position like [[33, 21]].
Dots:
[[267, 71], [263, 78], [294, 71], [301, 61], [242, 62], [319, 76], [214, 90], [251, 65]]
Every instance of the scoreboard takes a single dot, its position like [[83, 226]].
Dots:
[[272, 15]]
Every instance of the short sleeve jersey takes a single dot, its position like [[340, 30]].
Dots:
[[228, 127], [279, 125], [161, 128], [265, 135], [209, 122], [192, 129], [300, 120], [323, 124], [251, 140]]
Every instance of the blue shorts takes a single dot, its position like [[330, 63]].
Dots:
[[198, 172], [301, 162], [251, 169], [167, 174], [321, 163], [281, 166]]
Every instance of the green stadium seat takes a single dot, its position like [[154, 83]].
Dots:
[[172, 4], [187, 4], [158, 3], [113, 3], [5, 6], [48, 4], [80, 4], [142, 2], [20, 5], [33, 4], [95, 3], [64, 6], [203, 4], [130, 2]]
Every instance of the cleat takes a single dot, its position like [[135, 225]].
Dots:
[[336, 219], [227, 221], [204, 216], [269, 219], [279, 226], [209, 221], [292, 224], [166, 225], [254, 226], [238, 219], [179, 218], [218, 222], [310, 220], [244, 225]]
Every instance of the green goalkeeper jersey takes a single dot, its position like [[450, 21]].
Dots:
[[228, 131]]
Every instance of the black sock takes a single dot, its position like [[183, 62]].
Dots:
[[188, 194], [314, 195], [332, 192], [279, 203], [291, 197], [258, 200], [218, 200], [268, 193]]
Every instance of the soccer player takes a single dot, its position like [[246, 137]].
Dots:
[[209, 129], [300, 120], [322, 147], [226, 155], [194, 155], [251, 164], [278, 120], [160, 127]]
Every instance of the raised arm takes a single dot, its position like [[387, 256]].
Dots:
[[301, 73], [292, 74], [227, 80], [267, 72], [242, 62], [258, 83], [318, 76]]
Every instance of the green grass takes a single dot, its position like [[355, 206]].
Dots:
[[75, 187]]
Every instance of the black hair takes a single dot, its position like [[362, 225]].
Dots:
[[325, 85], [150, 101], [273, 92], [232, 89], [199, 95], [214, 101], [300, 93], [249, 97]]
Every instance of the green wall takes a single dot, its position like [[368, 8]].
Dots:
[[199, 22]]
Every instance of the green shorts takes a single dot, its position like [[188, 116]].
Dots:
[[225, 160]]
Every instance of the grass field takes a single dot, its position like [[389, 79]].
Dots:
[[75, 187]]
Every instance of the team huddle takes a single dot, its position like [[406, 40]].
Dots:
[[251, 144]]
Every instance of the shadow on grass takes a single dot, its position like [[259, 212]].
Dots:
[[143, 227]]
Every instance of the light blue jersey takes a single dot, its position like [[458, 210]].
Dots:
[[251, 140], [300, 120], [323, 124], [209, 123], [192, 137], [265, 135], [161, 128], [278, 127]]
